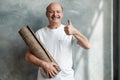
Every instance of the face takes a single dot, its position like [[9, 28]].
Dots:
[[54, 13]]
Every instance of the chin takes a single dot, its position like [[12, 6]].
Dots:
[[56, 21]]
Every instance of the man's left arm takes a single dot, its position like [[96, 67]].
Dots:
[[81, 39]]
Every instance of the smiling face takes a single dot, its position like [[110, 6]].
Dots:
[[54, 13]]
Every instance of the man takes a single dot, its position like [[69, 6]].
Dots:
[[58, 40]]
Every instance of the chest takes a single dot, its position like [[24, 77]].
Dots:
[[56, 39]]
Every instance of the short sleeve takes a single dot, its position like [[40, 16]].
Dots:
[[74, 40], [36, 34]]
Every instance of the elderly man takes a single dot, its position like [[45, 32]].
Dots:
[[58, 39]]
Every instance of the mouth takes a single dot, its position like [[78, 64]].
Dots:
[[55, 17]]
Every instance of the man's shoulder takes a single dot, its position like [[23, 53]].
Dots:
[[41, 29], [62, 25]]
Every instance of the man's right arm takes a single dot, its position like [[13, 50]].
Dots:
[[33, 59], [47, 66]]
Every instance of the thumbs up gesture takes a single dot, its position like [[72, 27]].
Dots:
[[69, 29]]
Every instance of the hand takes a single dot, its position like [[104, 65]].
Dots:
[[50, 69], [69, 29]]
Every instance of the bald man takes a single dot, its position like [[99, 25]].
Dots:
[[58, 39]]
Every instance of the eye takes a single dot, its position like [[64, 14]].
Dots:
[[59, 12], [50, 12]]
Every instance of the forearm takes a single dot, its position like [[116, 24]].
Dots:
[[81, 39], [47, 66], [34, 60]]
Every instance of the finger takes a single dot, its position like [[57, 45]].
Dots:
[[48, 74], [54, 69], [66, 28], [55, 72], [54, 64], [69, 22], [52, 74]]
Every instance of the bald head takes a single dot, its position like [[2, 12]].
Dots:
[[54, 4]]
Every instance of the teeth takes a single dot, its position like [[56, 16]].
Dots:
[[54, 17]]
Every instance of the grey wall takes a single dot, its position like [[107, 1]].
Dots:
[[91, 17]]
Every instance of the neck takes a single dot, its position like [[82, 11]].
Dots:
[[53, 26]]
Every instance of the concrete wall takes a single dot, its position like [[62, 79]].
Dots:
[[91, 17]]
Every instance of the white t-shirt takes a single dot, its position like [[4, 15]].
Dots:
[[60, 47]]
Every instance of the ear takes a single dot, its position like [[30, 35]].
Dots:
[[46, 14]]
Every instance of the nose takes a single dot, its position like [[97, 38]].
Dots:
[[55, 13]]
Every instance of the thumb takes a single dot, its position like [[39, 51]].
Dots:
[[69, 22]]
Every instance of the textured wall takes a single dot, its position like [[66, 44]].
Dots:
[[91, 17]]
